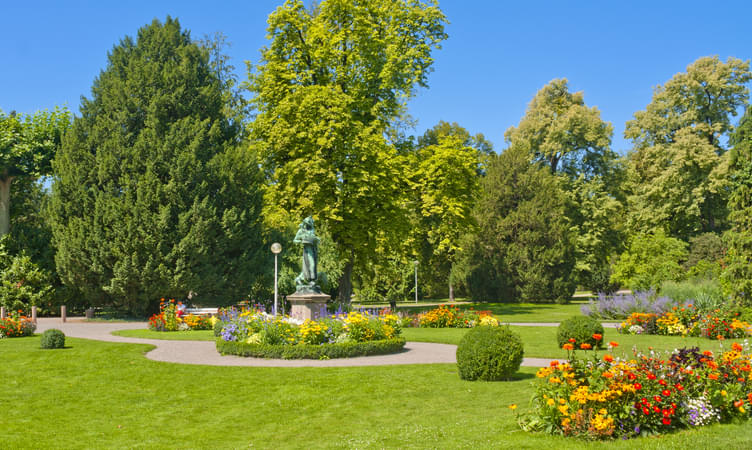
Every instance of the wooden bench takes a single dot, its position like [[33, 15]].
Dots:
[[202, 311]]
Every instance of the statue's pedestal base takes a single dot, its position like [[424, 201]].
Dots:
[[308, 306]]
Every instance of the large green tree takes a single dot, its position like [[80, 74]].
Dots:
[[676, 174], [561, 132], [27, 145], [525, 246], [153, 195], [331, 83], [446, 173], [737, 276]]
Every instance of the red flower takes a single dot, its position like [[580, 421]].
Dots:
[[637, 386], [662, 382], [666, 421], [666, 393], [597, 336], [572, 340], [679, 387], [646, 411], [554, 363], [651, 376]]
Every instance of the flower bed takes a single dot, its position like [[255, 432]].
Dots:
[[452, 317], [16, 325], [255, 333], [605, 398], [172, 318], [687, 321]]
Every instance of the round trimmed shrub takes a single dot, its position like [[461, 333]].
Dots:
[[489, 354], [53, 339], [581, 329]]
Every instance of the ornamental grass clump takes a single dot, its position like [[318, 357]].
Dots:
[[604, 397], [52, 339], [580, 331], [489, 353]]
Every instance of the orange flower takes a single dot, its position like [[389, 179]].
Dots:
[[613, 344], [707, 353], [608, 375], [572, 340], [608, 358], [736, 346], [585, 346], [568, 347], [554, 363], [597, 336], [713, 376]]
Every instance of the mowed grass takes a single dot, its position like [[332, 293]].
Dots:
[[106, 395], [517, 312], [191, 335], [540, 342]]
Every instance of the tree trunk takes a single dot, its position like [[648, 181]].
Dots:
[[5, 205], [451, 290], [345, 284]]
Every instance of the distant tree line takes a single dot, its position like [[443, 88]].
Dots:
[[174, 178]]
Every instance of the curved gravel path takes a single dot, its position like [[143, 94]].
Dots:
[[205, 353]]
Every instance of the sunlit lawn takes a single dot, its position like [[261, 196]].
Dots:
[[541, 341], [518, 312], [106, 395]]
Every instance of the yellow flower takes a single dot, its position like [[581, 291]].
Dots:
[[513, 406], [550, 402]]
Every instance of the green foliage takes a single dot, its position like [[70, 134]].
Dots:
[[649, 260], [27, 145], [489, 354], [152, 196], [561, 132], [52, 339], [581, 329], [22, 283], [737, 276], [704, 294], [309, 351], [564, 134], [332, 82], [525, 246], [677, 169]]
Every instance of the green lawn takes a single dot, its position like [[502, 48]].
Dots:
[[107, 395], [541, 341], [518, 312], [201, 335]]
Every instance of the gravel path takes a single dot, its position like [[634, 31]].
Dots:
[[205, 353]]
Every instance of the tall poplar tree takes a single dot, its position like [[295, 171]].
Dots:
[[331, 83], [153, 195]]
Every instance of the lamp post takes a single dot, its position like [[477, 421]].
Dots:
[[276, 248], [416, 280]]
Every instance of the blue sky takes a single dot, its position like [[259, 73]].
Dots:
[[497, 56]]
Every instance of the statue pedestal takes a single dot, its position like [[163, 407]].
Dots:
[[308, 305]]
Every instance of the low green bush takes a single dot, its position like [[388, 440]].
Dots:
[[581, 329], [489, 353], [308, 351], [53, 338], [705, 295]]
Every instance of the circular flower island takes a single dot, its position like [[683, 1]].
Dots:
[[261, 335]]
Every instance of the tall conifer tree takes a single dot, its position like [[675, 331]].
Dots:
[[153, 195]]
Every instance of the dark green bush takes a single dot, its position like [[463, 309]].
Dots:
[[489, 353], [53, 339], [306, 351], [581, 329]]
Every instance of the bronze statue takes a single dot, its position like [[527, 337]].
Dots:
[[306, 235]]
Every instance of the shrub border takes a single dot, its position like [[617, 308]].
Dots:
[[308, 351]]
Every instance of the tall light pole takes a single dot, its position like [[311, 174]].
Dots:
[[276, 248], [416, 280]]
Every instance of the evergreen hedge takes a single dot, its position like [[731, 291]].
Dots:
[[307, 351]]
